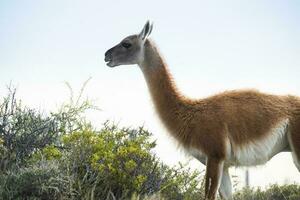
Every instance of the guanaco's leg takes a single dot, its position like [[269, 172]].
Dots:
[[225, 189], [214, 170], [294, 141], [295, 153]]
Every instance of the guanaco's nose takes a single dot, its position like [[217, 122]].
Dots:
[[108, 56]]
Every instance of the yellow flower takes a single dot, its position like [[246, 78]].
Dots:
[[139, 180], [51, 152], [130, 165], [101, 167]]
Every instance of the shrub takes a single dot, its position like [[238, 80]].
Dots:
[[273, 192], [40, 181], [61, 156], [120, 162], [24, 131]]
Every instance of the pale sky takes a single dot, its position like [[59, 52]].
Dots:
[[210, 46]]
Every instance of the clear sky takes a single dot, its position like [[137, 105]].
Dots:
[[210, 46]]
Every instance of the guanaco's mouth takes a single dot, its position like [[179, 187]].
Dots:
[[109, 61]]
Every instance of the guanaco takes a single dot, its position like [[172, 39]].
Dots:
[[233, 128]]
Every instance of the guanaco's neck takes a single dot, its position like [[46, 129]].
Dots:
[[171, 106]]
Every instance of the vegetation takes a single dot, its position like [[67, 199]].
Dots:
[[274, 192], [62, 156]]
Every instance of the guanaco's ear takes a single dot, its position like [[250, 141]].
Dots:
[[146, 30]]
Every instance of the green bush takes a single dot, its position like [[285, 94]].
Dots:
[[24, 131], [120, 158], [120, 163], [112, 163], [41, 154], [273, 192], [40, 181]]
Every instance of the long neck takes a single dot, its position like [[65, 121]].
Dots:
[[171, 106]]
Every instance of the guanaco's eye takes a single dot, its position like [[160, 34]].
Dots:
[[126, 45]]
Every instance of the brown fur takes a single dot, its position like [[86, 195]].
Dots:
[[205, 124]]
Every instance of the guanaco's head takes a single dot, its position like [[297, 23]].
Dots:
[[130, 50]]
